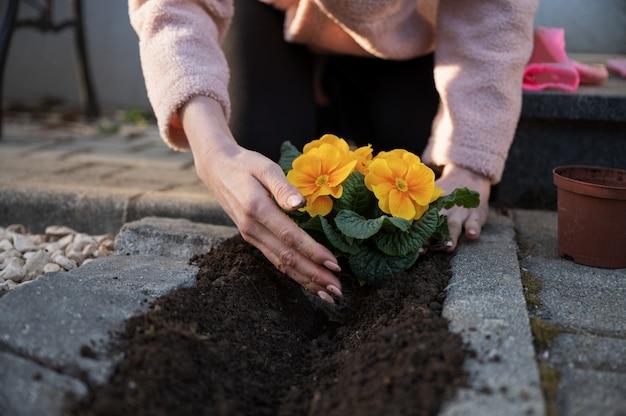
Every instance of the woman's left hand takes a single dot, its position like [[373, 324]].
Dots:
[[469, 219]]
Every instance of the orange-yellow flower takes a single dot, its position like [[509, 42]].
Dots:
[[362, 155], [403, 185], [318, 174], [330, 139]]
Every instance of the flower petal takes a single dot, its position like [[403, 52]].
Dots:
[[401, 205], [321, 205]]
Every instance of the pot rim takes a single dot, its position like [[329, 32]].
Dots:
[[588, 188]]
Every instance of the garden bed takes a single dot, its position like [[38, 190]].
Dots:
[[247, 340]]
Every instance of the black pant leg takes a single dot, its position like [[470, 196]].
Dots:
[[271, 86], [390, 104]]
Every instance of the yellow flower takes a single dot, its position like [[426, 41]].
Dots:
[[363, 156], [330, 139], [318, 174], [403, 185]]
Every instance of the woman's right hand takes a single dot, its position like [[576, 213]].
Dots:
[[245, 183]]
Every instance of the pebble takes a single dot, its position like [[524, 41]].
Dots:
[[25, 257]]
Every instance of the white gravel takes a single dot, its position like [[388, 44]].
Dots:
[[24, 257]]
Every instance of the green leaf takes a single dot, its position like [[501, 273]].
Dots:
[[356, 197], [442, 233], [354, 225], [395, 223], [288, 153], [374, 268], [342, 243], [299, 217], [370, 267], [462, 197], [398, 243], [400, 264], [395, 243], [312, 223]]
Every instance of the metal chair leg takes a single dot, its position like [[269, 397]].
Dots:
[[44, 23], [86, 88], [6, 32]]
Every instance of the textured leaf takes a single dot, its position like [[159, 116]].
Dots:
[[356, 197], [442, 233], [342, 243], [354, 225], [426, 226], [400, 264], [370, 267], [462, 197], [396, 243], [288, 153], [311, 223], [395, 223]]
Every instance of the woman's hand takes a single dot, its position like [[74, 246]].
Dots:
[[244, 182], [469, 219]]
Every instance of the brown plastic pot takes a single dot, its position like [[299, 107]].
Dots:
[[592, 215]]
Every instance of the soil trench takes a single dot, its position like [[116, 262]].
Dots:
[[247, 340]]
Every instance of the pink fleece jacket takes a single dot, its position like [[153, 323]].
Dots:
[[481, 48]]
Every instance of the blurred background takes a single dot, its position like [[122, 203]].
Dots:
[[41, 67]]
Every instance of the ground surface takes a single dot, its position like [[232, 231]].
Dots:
[[246, 340]]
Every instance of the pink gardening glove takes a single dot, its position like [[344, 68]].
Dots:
[[617, 66], [550, 68]]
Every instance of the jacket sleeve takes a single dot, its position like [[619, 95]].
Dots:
[[181, 57], [482, 48]]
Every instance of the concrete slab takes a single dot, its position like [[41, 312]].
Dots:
[[585, 306], [72, 316], [176, 238], [579, 297], [592, 393], [485, 304], [29, 389], [589, 351]]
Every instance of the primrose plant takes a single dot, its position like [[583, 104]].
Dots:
[[376, 211]]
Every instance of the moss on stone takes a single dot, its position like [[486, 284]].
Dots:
[[550, 378], [544, 333], [532, 286]]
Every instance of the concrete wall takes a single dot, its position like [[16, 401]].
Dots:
[[591, 26], [44, 66]]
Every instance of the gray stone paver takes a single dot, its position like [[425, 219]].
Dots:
[[592, 393], [589, 351], [52, 319], [587, 306], [177, 238], [593, 301], [35, 390], [485, 304]]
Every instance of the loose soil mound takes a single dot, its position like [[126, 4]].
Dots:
[[247, 340]]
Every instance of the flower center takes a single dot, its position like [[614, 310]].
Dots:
[[321, 180], [401, 184]]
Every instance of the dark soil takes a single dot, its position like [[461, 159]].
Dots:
[[247, 340]]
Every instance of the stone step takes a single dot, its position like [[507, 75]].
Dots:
[[584, 127]]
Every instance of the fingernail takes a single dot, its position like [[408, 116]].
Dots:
[[325, 297], [295, 201], [334, 290], [471, 231], [330, 265], [449, 243], [421, 250]]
